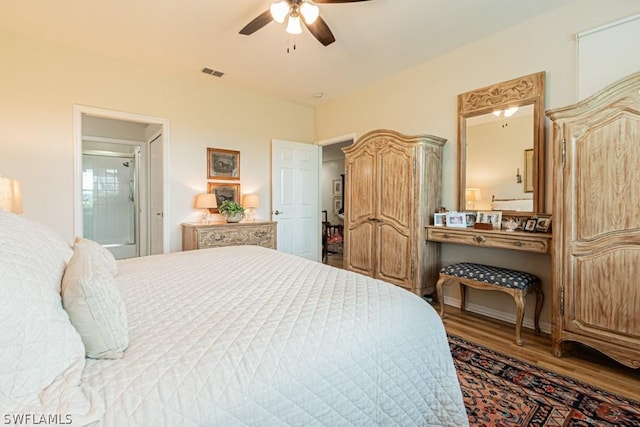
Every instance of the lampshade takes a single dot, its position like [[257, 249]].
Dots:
[[279, 11], [472, 194], [293, 26], [10, 195], [309, 12], [251, 200], [206, 201]]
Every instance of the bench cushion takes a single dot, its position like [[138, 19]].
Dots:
[[488, 274]]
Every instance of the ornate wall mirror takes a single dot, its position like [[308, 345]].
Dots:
[[501, 147]]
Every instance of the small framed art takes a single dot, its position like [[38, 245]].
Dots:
[[530, 225], [456, 219], [223, 164], [490, 217], [337, 205], [224, 191], [337, 187], [543, 223], [439, 219]]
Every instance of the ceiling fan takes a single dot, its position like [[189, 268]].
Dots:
[[292, 11]]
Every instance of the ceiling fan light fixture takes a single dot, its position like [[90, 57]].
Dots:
[[293, 25], [310, 12], [510, 111], [279, 11]]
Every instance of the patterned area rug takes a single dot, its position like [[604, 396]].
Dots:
[[502, 391]]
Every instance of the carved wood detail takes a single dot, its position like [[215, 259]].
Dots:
[[202, 236]]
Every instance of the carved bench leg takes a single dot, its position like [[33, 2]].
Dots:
[[519, 298], [539, 302], [463, 289]]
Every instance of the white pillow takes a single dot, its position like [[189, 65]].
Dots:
[[92, 299], [42, 355], [97, 252]]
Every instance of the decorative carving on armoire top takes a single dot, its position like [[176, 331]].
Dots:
[[513, 90]]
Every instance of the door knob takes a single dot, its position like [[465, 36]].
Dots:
[[277, 212]]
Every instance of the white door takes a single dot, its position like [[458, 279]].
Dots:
[[295, 180], [156, 201]]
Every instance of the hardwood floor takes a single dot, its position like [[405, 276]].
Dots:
[[581, 362], [335, 260]]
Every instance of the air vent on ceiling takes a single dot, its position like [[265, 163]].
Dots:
[[215, 73]]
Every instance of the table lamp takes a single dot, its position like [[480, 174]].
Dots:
[[250, 202], [10, 195], [472, 195], [206, 201]]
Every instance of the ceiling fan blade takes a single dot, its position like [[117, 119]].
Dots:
[[321, 31], [337, 1], [260, 21]]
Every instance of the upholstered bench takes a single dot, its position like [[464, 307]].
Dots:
[[516, 283]]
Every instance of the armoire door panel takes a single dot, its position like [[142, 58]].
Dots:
[[361, 180], [599, 306], [395, 170], [394, 255], [607, 178], [360, 248]]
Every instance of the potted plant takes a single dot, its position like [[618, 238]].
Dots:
[[231, 211]]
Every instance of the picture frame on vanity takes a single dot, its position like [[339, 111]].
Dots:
[[490, 217], [471, 218], [224, 191], [543, 223], [456, 219], [223, 164], [440, 219], [530, 225]]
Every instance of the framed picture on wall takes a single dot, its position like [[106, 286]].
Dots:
[[224, 191], [337, 187], [337, 205], [223, 164]]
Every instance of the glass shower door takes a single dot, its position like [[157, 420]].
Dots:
[[109, 201]]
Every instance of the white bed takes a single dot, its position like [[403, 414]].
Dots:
[[254, 337]]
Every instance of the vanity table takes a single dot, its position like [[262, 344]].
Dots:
[[516, 240]]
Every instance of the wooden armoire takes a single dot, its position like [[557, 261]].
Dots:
[[393, 186], [596, 222]]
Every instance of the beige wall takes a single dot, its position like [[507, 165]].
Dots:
[[423, 100], [41, 82]]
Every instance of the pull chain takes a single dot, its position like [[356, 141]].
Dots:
[[294, 46]]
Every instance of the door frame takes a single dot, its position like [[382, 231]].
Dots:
[[78, 111], [326, 142]]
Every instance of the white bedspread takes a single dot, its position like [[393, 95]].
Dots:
[[250, 336]]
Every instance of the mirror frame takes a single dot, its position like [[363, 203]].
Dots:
[[521, 91]]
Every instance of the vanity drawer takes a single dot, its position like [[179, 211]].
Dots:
[[491, 238]]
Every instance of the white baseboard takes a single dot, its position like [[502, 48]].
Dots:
[[495, 314]]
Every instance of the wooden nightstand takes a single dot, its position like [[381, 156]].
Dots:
[[202, 236]]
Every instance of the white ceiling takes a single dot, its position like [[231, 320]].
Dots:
[[374, 39]]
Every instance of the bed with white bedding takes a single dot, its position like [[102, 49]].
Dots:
[[242, 336]]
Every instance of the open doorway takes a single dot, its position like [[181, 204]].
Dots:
[[121, 181], [332, 198]]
